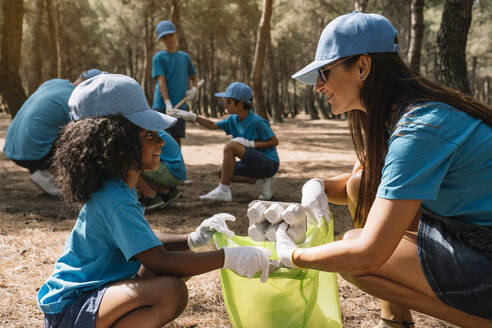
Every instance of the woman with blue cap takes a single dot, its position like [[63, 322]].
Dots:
[[114, 270], [426, 158]]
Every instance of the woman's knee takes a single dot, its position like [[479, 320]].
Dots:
[[173, 297]]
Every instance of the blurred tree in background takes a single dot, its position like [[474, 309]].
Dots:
[[62, 38]]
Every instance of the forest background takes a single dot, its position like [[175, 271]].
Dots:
[[261, 42]]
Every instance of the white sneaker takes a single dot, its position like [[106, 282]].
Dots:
[[188, 182], [218, 194], [266, 188], [46, 181]]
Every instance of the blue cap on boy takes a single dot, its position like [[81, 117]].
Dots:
[[238, 91], [164, 27]]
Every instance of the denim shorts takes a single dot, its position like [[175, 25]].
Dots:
[[255, 164], [456, 258], [81, 313], [178, 130]]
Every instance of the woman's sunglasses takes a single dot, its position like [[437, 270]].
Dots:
[[324, 72]]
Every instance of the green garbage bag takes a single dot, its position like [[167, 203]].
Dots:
[[293, 298]]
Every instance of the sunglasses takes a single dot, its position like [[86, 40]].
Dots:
[[324, 73]]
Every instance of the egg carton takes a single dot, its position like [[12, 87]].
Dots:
[[265, 217]]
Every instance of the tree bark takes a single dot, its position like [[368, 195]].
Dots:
[[361, 5], [176, 18], [36, 78], [256, 75], [11, 88], [416, 33], [450, 61]]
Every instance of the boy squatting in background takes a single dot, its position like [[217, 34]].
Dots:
[[171, 68], [159, 187], [253, 142], [114, 270], [35, 127]]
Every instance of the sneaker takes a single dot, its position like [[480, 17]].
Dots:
[[170, 196], [218, 194], [188, 182], [151, 203], [266, 188], [46, 181]]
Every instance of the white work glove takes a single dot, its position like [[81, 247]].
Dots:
[[179, 113], [191, 93], [204, 232], [284, 246], [169, 106], [314, 199], [247, 260], [244, 142]]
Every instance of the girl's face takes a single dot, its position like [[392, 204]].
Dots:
[[342, 86], [151, 150]]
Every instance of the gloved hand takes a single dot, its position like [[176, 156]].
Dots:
[[169, 105], [314, 199], [244, 142], [191, 93], [284, 246], [185, 115], [204, 232], [247, 260]]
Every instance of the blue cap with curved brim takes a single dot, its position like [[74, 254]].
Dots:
[[116, 94], [164, 27], [90, 73], [238, 91], [351, 34]]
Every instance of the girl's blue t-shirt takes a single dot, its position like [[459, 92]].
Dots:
[[442, 156], [171, 156], [176, 68], [109, 232], [253, 127], [38, 122]]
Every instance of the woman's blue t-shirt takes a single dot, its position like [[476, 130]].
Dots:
[[109, 232], [442, 156]]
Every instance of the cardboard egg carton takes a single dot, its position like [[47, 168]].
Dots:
[[265, 217]]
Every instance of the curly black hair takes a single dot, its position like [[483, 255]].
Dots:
[[92, 150]]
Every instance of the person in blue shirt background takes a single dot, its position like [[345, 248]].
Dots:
[[254, 143], [159, 187], [115, 270], [172, 69], [35, 127], [426, 160]]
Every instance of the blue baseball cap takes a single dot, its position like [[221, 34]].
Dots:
[[116, 94], [164, 27], [238, 91], [351, 34], [90, 73]]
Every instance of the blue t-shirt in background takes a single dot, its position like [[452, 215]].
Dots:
[[38, 122], [171, 156], [177, 68], [253, 127], [109, 232], [442, 156]]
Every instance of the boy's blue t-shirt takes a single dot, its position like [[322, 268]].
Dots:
[[171, 156], [109, 232], [38, 122], [442, 156], [177, 68], [253, 127]]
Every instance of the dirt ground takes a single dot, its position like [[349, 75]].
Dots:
[[34, 226]]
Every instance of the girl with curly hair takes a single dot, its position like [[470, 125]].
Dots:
[[425, 155], [114, 270]]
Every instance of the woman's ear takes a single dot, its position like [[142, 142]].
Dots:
[[364, 65]]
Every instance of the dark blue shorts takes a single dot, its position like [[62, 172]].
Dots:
[[81, 313], [456, 258], [255, 164], [178, 130]]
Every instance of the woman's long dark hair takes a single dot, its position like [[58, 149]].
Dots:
[[390, 85], [92, 150]]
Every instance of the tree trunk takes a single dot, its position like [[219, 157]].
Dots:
[[51, 32], [36, 78], [176, 18], [147, 82], [361, 5], [416, 33], [450, 62], [59, 62], [10, 54], [263, 37], [213, 79], [486, 85]]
